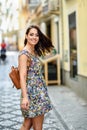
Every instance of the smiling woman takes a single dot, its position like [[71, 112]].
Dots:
[[35, 101]]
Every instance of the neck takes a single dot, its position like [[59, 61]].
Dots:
[[31, 49]]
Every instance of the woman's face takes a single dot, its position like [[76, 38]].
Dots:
[[33, 36]]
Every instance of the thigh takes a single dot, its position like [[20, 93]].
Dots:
[[38, 122]]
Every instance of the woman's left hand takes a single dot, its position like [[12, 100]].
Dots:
[[25, 104]]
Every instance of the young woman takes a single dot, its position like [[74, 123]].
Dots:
[[35, 101]]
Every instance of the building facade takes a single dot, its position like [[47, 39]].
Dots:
[[46, 15], [9, 24], [74, 63], [65, 23]]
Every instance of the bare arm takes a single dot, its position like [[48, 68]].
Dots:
[[23, 74]]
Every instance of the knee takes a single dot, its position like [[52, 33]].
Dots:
[[37, 127], [27, 126], [23, 127]]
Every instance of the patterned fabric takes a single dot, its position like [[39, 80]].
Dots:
[[36, 88]]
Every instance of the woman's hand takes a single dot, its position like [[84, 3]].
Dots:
[[25, 104]]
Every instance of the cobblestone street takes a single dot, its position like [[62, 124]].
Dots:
[[69, 112], [10, 114], [52, 32]]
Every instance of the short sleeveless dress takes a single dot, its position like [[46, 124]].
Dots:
[[36, 87]]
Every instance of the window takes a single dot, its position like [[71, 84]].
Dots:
[[73, 44]]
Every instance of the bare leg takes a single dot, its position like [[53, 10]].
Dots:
[[38, 122], [27, 124]]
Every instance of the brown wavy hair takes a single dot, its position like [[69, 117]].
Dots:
[[44, 44]]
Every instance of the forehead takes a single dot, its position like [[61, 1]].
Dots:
[[33, 30]]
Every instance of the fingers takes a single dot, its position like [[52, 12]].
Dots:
[[25, 106], [28, 104]]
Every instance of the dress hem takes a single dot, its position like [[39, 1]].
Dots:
[[36, 115]]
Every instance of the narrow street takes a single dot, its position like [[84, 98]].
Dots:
[[10, 114], [57, 27], [69, 111]]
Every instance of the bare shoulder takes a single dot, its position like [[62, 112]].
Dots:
[[22, 58]]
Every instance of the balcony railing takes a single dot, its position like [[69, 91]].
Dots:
[[51, 5], [33, 3]]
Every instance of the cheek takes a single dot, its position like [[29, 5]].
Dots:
[[38, 39]]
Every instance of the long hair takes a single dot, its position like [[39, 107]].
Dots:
[[44, 44]]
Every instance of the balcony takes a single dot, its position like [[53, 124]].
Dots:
[[51, 6], [32, 4]]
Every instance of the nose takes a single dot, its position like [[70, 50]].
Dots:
[[35, 36]]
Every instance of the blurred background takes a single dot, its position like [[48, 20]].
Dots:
[[65, 22], [64, 69]]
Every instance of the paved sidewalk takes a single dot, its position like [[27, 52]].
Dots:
[[69, 111], [69, 108]]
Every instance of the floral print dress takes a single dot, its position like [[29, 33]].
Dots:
[[36, 88]]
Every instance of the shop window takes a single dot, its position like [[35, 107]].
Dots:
[[73, 44]]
